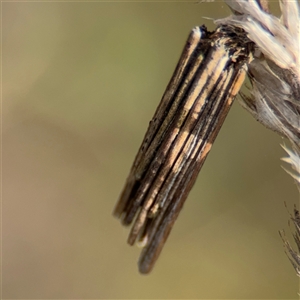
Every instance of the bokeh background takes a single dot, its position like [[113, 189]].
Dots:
[[80, 83]]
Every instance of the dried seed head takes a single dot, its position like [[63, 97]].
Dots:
[[275, 71], [278, 39], [275, 78]]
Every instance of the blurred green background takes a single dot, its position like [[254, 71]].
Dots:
[[80, 83]]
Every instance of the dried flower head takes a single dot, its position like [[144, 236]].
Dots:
[[275, 78], [275, 71]]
